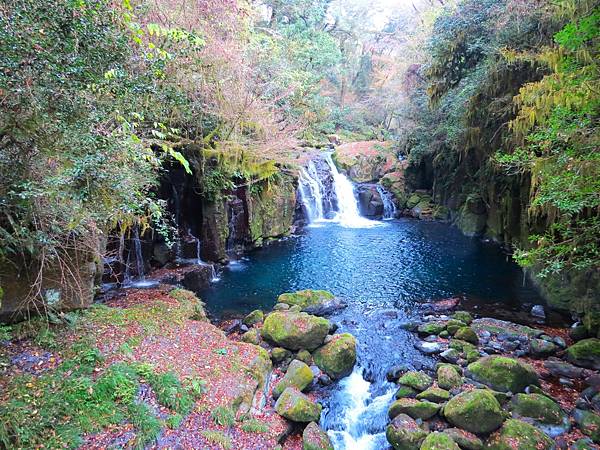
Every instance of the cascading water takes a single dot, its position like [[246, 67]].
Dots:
[[389, 207], [319, 206]]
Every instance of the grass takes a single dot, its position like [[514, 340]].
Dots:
[[218, 437], [223, 415], [254, 426]]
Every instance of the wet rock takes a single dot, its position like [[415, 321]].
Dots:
[[337, 358], [538, 312], [560, 368], [428, 348], [325, 380], [468, 351], [406, 392], [298, 375], [540, 411], [467, 334], [434, 394], [295, 330], [403, 433], [464, 439], [510, 346], [448, 377], [578, 332], [305, 298], [440, 306], [502, 373], [516, 434], [463, 316], [253, 318], [278, 354], [396, 372], [297, 407], [251, 336], [503, 327], [451, 355], [416, 380], [585, 353], [476, 411], [541, 348], [588, 423], [559, 341], [439, 441], [454, 325], [414, 408], [429, 328], [314, 438]]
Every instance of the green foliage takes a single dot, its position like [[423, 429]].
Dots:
[[218, 437], [171, 393], [223, 415], [254, 426]]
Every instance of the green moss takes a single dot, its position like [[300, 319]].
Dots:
[[448, 377], [467, 334], [406, 392], [585, 353], [539, 408], [476, 411], [223, 416], [416, 380], [414, 408], [503, 374], [295, 330], [430, 328], [254, 426], [439, 441], [463, 316], [298, 375], [517, 434], [434, 394], [297, 407], [308, 297], [337, 357]]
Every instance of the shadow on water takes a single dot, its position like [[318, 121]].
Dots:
[[385, 273]]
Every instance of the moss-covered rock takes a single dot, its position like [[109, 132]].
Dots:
[[338, 356], [251, 336], [305, 356], [516, 434], [467, 334], [254, 317], [297, 407], [503, 374], [406, 392], [448, 377], [468, 351], [414, 408], [307, 297], [464, 439], [314, 438], [454, 325], [278, 354], [295, 330], [585, 353], [439, 441], [403, 433], [431, 328], [589, 424], [416, 380], [542, 348], [463, 316], [434, 394], [476, 411], [540, 411], [298, 375]]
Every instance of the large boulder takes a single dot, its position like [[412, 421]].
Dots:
[[516, 434], [298, 375], [540, 411], [314, 438], [403, 433], [503, 374], [434, 394], [439, 441], [476, 411], [316, 302], [448, 377], [297, 407], [414, 408], [585, 353], [338, 356], [589, 424], [295, 330]]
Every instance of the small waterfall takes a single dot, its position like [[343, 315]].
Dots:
[[389, 207], [311, 192], [139, 258]]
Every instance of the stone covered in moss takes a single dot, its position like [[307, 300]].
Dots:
[[454, 325], [338, 356], [406, 392], [278, 354], [448, 377], [305, 356], [297, 407], [467, 334], [503, 374], [434, 394], [254, 317], [476, 411], [298, 375], [251, 336], [464, 439], [463, 316], [295, 330], [439, 441], [585, 353], [467, 350], [431, 328], [403, 433], [416, 380], [414, 408], [541, 411], [516, 434], [589, 424], [314, 438], [305, 298]]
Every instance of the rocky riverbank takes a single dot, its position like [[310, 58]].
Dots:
[[497, 385]]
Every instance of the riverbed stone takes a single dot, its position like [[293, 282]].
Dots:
[[451, 355], [253, 318], [476, 411], [499, 327], [454, 325], [416, 380], [429, 348], [541, 348], [516, 434], [278, 354], [589, 423], [585, 353], [414, 408], [404, 433], [434, 394], [307, 297], [305, 356], [503, 374], [251, 336], [431, 328], [337, 358], [314, 438], [463, 316], [406, 392], [464, 439], [540, 411], [468, 351], [297, 407], [467, 334], [298, 375], [439, 441], [295, 330], [448, 377]]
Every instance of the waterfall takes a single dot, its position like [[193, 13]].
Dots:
[[139, 258], [389, 207], [311, 192]]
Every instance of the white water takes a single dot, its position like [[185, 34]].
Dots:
[[358, 408], [312, 194], [389, 207]]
